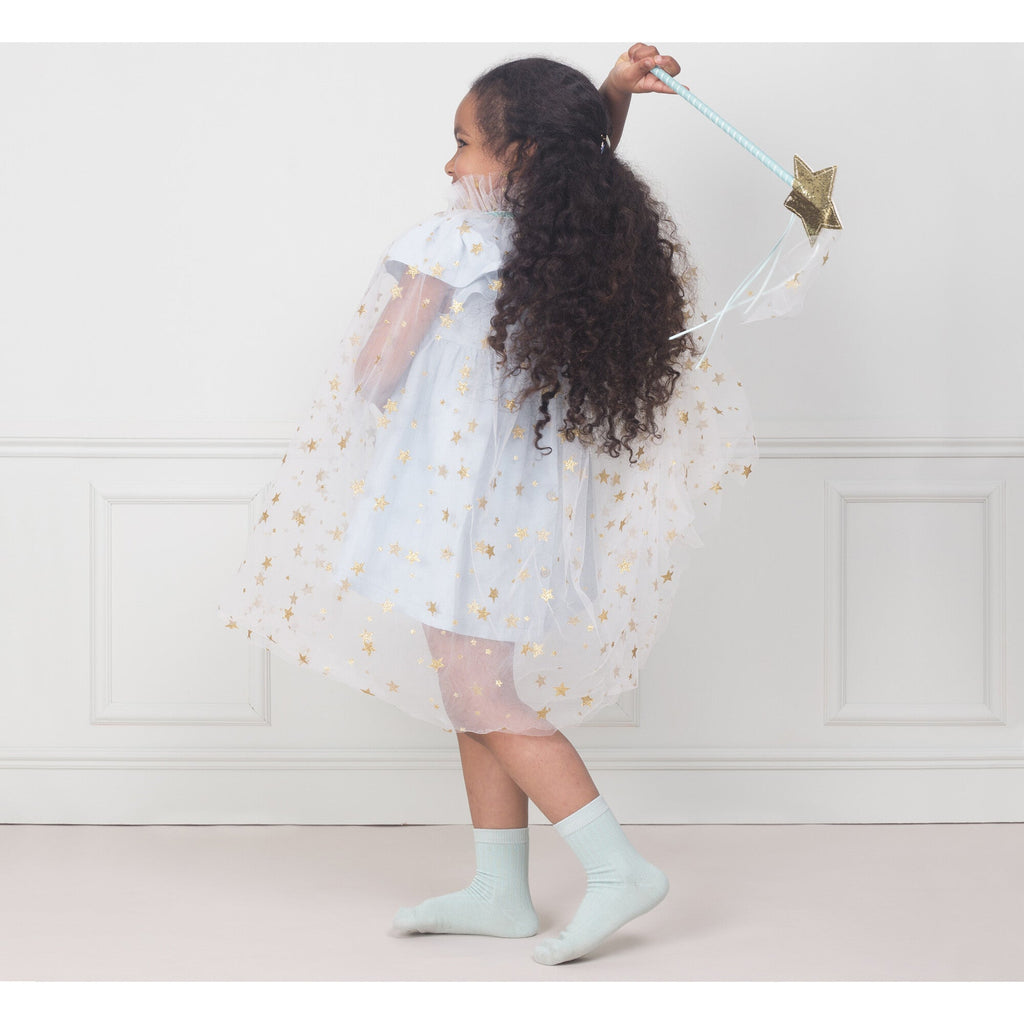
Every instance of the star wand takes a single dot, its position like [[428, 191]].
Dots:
[[811, 195]]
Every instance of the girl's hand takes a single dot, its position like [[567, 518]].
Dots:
[[632, 71]]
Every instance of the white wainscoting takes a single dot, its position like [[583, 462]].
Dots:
[[842, 653]]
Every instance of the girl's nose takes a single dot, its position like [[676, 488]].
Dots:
[[449, 168]]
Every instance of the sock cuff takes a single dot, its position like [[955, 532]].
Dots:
[[583, 817], [502, 836]]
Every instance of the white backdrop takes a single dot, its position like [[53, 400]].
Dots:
[[183, 232]]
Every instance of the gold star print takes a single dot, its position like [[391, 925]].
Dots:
[[358, 568], [603, 476], [276, 498], [522, 533], [496, 284], [432, 607], [231, 624], [747, 470], [493, 595], [393, 686], [288, 613], [456, 437], [586, 701], [367, 637], [446, 320], [412, 557], [297, 550], [264, 517], [303, 658], [437, 664], [463, 472], [684, 417], [603, 617], [719, 377], [543, 534], [361, 310], [293, 598], [357, 486], [625, 566], [437, 270], [477, 248], [543, 713], [547, 594], [511, 621], [569, 464], [667, 576], [456, 307], [620, 495], [485, 549], [298, 516], [518, 433], [464, 227], [266, 562], [412, 271], [562, 690], [367, 691], [337, 533], [396, 292], [447, 554], [379, 504], [395, 548], [824, 259]]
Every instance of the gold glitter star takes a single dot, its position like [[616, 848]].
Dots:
[[811, 198], [586, 701], [562, 690]]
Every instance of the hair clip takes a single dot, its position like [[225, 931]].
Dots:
[[606, 143]]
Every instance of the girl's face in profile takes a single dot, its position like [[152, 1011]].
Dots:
[[471, 154]]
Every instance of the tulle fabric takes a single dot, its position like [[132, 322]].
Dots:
[[416, 545]]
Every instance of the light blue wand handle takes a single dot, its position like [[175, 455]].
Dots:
[[724, 125]]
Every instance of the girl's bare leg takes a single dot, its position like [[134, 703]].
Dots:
[[547, 769], [495, 801]]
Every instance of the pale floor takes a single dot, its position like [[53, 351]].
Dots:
[[314, 903]]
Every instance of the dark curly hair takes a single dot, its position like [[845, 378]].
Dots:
[[595, 284]]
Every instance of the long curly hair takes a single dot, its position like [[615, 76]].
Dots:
[[597, 281]]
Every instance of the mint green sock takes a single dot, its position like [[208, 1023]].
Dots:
[[621, 885], [496, 902]]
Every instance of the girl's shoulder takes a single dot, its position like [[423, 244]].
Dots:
[[459, 245]]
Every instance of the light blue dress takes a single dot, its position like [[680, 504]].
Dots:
[[416, 543]]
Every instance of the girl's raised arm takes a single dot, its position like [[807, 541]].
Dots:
[[632, 73]]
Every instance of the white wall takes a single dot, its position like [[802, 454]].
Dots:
[[183, 231]]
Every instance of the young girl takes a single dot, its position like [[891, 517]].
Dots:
[[477, 522]]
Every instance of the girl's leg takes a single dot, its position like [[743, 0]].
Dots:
[[497, 901], [495, 801], [621, 885]]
